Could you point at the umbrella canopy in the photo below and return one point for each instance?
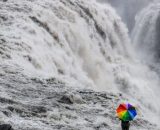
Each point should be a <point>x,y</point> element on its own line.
<point>126,112</point>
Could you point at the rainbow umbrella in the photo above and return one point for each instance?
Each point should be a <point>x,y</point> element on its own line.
<point>126,112</point>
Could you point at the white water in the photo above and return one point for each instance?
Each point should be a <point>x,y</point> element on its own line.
<point>81,42</point>
<point>145,37</point>
<point>85,56</point>
<point>146,33</point>
<point>128,9</point>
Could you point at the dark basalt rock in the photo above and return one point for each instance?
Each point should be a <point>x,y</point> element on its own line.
<point>66,99</point>
<point>6,127</point>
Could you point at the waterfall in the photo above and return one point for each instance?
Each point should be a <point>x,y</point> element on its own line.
<point>43,40</point>
<point>146,33</point>
<point>86,45</point>
<point>146,40</point>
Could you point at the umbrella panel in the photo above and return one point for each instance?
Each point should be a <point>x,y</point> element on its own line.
<point>126,112</point>
<point>122,114</point>
<point>121,108</point>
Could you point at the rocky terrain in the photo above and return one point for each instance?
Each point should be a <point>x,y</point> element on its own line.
<point>48,104</point>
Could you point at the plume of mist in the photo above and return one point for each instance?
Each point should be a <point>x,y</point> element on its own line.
<point>128,9</point>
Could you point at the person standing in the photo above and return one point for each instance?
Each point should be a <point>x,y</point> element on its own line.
<point>126,113</point>
<point>125,125</point>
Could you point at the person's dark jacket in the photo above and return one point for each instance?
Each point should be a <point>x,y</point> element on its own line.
<point>125,125</point>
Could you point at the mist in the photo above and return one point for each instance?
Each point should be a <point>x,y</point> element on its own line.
<point>128,9</point>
